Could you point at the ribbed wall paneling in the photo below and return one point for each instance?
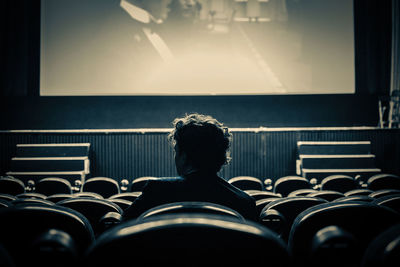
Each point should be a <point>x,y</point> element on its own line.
<point>265,154</point>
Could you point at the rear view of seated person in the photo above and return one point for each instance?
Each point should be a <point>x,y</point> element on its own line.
<point>201,145</point>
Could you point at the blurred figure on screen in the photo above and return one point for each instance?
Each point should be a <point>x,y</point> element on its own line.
<point>201,145</point>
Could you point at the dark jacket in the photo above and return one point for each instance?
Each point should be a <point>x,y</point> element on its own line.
<point>194,187</point>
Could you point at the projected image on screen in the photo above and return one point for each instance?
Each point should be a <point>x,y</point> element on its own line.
<point>196,47</point>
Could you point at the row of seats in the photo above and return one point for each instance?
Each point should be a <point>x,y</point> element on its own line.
<point>350,233</point>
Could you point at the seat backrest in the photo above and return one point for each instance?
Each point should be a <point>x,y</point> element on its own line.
<point>286,185</point>
<point>92,208</point>
<point>130,196</point>
<point>21,224</point>
<point>31,195</point>
<point>58,197</point>
<point>384,250</point>
<point>191,207</point>
<point>11,186</point>
<point>246,183</point>
<point>301,192</point>
<point>339,183</point>
<point>327,195</point>
<point>384,192</point>
<point>354,198</point>
<point>53,185</point>
<point>361,219</point>
<point>290,207</point>
<point>390,201</point>
<point>383,181</point>
<point>103,186</point>
<point>7,197</point>
<point>188,240</point>
<point>358,192</point>
<point>139,183</point>
<point>257,194</point>
<point>122,203</point>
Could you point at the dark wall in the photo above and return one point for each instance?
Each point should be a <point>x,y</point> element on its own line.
<point>23,108</point>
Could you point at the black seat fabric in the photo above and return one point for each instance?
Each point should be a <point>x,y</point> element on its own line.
<point>361,219</point>
<point>21,224</point>
<point>286,185</point>
<point>339,183</point>
<point>188,240</point>
<point>191,207</point>
<point>246,183</point>
<point>390,201</point>
<point>92,208</point>
<point>289,208</point>
<point>257,194</point>
<point>11,186</point>
<point>139,183</point>
<point>384,250</point>
<point>383,181</point>
<point>104,186</point>
<point>53,185</point>
<point>130,196</point>
<point>327,195</point>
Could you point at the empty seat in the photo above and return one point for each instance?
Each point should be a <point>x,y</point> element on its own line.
<point>104,186</point>
<point>191,207</point>
<point>257,194</point>
<point>58,197</point>
<point>384,250</point>
<point>5,204</point>
<point>358,192</point>
<point>22,224</point>
<point>246,183</point>
<point>7,197</point>
<point>53,185</point>
<point>361,219</point>
<point>390,201</point>
<point>327,195</point>
<point>333,246</point>
<point>339,183</point>
<point>92,208</point>
<point>289,208</point>
<point>260,204</point>
<point>130,196</point>
<point>384,192</point>
<point>188,240</point>
<point>53,247</point>
<point>354,198</point>
<point>383,181</point>
<point>139,183</point>
<point>88,195</point>
<point>11,186</point>
<point>122,203</point>
<point>301,192</point>
<point>31,195</point>
<point>286,185</point>
<point>36,201</point>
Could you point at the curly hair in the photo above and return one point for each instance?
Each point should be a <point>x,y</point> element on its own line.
<point>205,141</point>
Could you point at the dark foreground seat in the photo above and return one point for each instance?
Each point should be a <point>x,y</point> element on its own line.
<point>362,220</point>
<point>22,224</point>
<point>188,240</point>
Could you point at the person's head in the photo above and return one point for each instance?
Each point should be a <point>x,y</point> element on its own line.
<point>201,142</point>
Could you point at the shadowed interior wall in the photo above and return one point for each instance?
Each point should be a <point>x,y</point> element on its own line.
<point>263,154</point>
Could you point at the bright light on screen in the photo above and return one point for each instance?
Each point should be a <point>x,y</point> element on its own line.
<point>203,47</point>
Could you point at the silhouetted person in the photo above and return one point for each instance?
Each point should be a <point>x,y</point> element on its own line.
<point>201,146</point>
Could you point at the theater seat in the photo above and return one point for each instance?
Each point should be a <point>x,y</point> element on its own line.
<point>363,220</point>
<point>11,186</point>
<point>384,250</point>
<point>37,201</point>
<point>390,201</point>
<point>138,184</point>
<point>58,197</point>
<point>188,240</point>
<point>92,208</point>
<point>358,192</point>
<point>246,183</point>
<point>104,186</point>
<point>289,208</point>
<point>53,185</point>
<point>22,224</point>
<point>31,195</point>
<point>383,181</point>
<point>257,194</point>
<point>384,192</point>
<point>7,197</point>
<point>286,185</point>
<point>301,192</point>
<point>327,195</point>
<point>339,183</point>
<point>122,203</point>
<point>332,246</point>
<point>130,196</point>
<point>354,198</point>
<point>191,207</point>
